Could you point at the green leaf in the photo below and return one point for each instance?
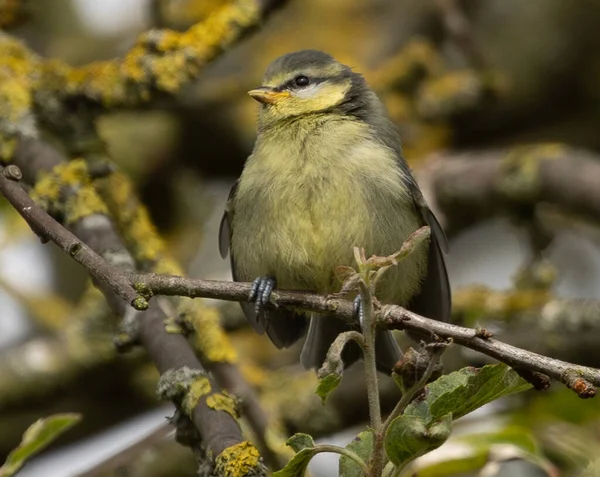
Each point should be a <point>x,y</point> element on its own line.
<point>305,449</point>
<point>465,390</point>
<point>300,441</point>
<point>362,445</point>
<point>409,437</point>
<point>470,452</point>
<point>330,374</point>
<point>39,435</point>
<point>296,467</point>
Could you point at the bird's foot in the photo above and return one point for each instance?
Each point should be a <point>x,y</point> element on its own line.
<point>260,293</point>
<point>359,311</point>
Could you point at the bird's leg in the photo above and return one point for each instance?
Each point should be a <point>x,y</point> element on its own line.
<point>260,293</point>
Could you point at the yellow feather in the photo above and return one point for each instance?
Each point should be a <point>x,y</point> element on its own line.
<point>313,189</point>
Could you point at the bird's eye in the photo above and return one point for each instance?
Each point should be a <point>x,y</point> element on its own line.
<point>301,81</point>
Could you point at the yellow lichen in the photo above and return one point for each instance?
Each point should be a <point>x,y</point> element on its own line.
<point>184,13</point>
<point>417,60</point>
<point>199,388</point>
<point>82,199</point>
<point>453,92</point>
<point>133,221</point>
<point>209,338</point>
<point>238,460</point>
<point>253,375</point>
<point>223,401</point>
<point>476,301</point>
<point>521,180</point>
<point>83,203</point>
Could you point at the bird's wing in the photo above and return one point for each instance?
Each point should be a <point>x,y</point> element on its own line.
<point>283,326</point>
<point>434,300</point>
<point>225,227</point>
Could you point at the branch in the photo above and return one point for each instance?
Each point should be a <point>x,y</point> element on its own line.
<point>473,186</point>
<point>220,432</point>
<point>47,229</point>
<point>160,63</point>
<point>579,378</point>
<point>150,253</point>
<point>459,29</point>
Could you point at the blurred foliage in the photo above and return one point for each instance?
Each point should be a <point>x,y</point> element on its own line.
<point>39,435</point>
<point>538,81</point>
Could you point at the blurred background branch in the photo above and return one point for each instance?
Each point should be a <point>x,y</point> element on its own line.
<point>498,107</point>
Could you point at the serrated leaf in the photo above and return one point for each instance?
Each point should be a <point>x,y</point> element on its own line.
<point>409,437</point>
<point>330,374</point>
<point>465,390</point>
<point>39,435</point>
<point>362,445</point>
<point>300,441</point>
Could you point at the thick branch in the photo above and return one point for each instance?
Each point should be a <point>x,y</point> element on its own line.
<point>473,186</point>
<point>219,430</point>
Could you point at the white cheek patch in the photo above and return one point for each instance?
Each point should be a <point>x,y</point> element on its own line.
<point>309,91</point>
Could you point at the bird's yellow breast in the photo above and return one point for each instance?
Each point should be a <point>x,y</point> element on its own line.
<point>308,195</point>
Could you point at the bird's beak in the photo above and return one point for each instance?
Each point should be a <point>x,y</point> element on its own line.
<point>268,95</point>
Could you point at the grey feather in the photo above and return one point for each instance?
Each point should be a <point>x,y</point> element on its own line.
<point>323,330</point>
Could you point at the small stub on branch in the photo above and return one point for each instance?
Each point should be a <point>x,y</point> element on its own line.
<point>483,333</point>
<point>12,172</point>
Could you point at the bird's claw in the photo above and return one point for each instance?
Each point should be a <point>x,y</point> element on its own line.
<point>260,293</point>
<point>359,311</point>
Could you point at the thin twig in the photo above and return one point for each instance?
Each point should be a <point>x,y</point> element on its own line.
<point>368,330</point>
<point>49,229</point>
<point>581,379</point>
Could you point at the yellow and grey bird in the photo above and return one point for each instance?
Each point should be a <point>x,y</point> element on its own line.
<point>327,174</point>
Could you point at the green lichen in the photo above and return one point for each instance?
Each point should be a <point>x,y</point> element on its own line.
<point>140,303</point>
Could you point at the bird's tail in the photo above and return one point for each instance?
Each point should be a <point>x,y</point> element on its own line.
<point>323,330</point>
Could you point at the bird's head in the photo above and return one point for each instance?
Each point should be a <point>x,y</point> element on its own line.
<point>308,82</point>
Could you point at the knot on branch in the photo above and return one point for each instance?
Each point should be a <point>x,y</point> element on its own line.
<point>574,380</point>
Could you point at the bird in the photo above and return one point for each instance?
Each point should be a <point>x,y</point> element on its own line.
<point>327,174</point>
